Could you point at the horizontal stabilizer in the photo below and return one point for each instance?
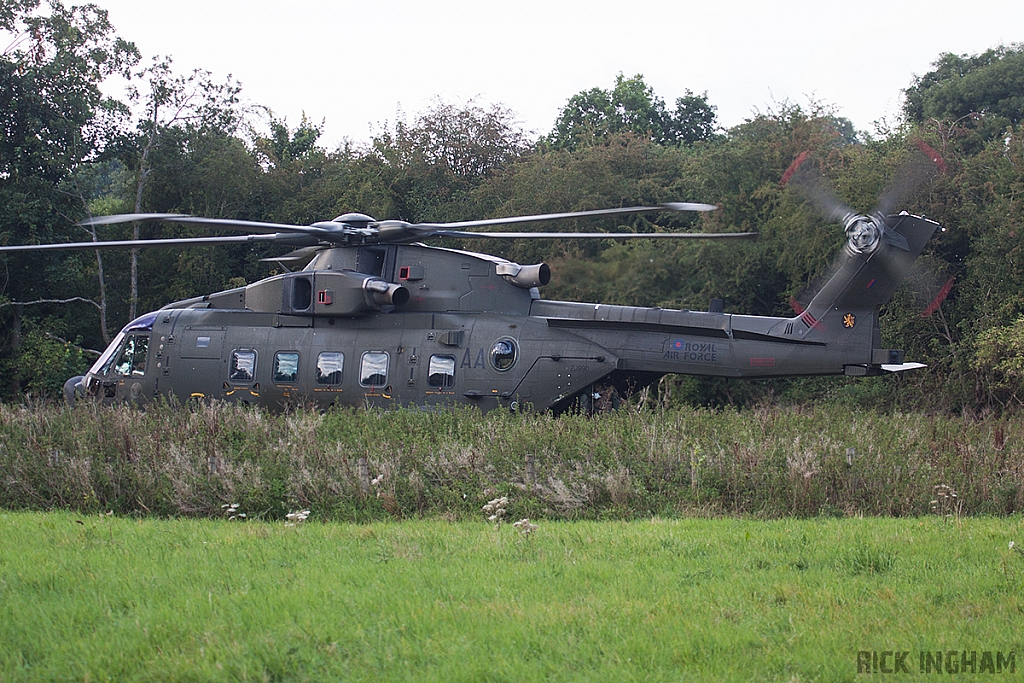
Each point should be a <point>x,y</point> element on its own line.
<point>903,366</point>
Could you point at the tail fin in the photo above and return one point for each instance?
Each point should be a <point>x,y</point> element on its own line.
<point>863,282</point>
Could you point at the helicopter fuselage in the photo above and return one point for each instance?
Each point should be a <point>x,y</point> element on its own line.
<point>408,324</point>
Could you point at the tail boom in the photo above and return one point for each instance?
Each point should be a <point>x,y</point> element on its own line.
<point>837,334</point>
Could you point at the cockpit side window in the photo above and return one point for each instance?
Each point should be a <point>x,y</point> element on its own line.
<point>131,361</point>
<point>102,365</point>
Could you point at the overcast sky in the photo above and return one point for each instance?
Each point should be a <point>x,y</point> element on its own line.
<point>356,64</point>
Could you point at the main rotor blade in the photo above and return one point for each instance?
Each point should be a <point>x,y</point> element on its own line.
<point>277,238</point>
<point>674,206</point>
<point>130,218</point>
<point>228,223</point>
<point>373,232</point>
<point>596,235</point>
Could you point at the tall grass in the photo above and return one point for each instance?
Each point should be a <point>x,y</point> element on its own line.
<point>363,465</point>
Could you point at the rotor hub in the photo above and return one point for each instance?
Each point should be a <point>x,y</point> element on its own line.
<point>356,220</point>
<point>862,233</point>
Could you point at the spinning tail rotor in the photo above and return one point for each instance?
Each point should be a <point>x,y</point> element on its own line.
<point>869,236</point>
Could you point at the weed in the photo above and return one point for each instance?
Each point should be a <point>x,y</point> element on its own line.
<point>296,518</point>
<point>496,509</point>
<point>525,527</point>
<point>821,461</point>
<point>947,504</point>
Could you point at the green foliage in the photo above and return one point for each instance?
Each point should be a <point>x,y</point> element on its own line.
<point>53,111</point>
<point>986,90</point>
<point>43,361</point>
<point>631,106</point>
<point>54,119</point>
<point>49,86</point>
<point>1000,361</point>
<point>620,170</point>
<point>284,145</point>
<point>429,167</point>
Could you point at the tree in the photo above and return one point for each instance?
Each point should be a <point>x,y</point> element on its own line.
<point>284,145</point>
<point>430,166</point>
<point>49,87</point>
<point>694,119</point>
<point>988,87</point>
<point>303,183</point>
<point>191,103</point>
<point>632,106</point>
<point>203,173</point>
<point>54,118</point>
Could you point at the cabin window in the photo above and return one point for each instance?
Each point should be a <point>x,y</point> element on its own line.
<point>243,366</point>
<point>286,367</point>
<point>441,372</point>
<point>373,370</point>
<point>504,354</point>
<point>132,360</point>
<point>329,367</point>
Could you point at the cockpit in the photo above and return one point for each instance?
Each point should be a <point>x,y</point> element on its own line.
<point>126,356</point>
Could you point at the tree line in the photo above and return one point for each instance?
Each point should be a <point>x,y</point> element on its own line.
<point>185,143</point>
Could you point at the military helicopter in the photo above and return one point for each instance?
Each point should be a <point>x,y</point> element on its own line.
<point>376,317</point>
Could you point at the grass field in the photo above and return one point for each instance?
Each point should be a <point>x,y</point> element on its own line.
<point>95,598</point>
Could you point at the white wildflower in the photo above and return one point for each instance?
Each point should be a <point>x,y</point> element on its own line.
<point>496,509</point>
<point>525,527</point>
<point>295,518</point>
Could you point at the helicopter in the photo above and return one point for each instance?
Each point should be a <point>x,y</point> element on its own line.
<point>376,317</point>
